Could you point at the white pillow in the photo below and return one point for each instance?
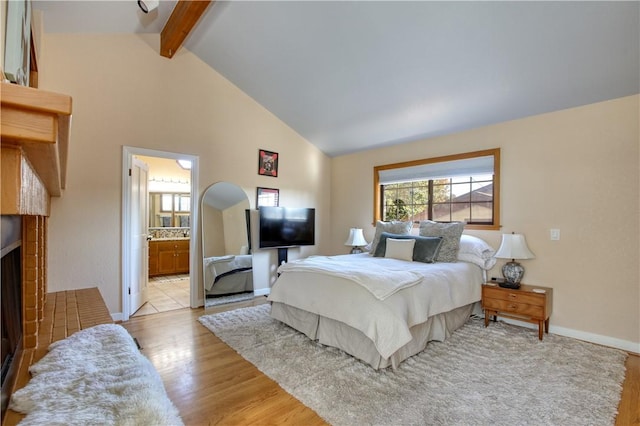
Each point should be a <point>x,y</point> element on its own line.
<point>400,249</point>
<point>394,227</point>
<point>475,250</point>
<point>474,245</point>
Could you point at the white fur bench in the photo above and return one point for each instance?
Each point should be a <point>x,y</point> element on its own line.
<point>95,376</point>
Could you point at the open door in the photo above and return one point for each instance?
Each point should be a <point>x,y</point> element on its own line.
<point>135,228</point>
<point>139,267</point>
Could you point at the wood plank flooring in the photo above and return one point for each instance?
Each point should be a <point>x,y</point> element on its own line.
<point>212,385</point>
<point>209,382</point>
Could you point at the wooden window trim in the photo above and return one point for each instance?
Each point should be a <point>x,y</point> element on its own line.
<point>495,152</point>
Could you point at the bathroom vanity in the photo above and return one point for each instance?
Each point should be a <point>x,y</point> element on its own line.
<point>168,256</point>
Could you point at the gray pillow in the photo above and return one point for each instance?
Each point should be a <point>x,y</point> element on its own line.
<point>450,232</point>
<point>425,250</point>
<point>394,227</point>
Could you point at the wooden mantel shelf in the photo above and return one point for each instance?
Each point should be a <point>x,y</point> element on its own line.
<point>38,123</point>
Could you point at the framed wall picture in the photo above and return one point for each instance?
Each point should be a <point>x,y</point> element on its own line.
<point>267,163</point>
<point>268,197</point>
<point>17,42</point>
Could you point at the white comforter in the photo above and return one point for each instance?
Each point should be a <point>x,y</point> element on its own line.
<point>444,286</point>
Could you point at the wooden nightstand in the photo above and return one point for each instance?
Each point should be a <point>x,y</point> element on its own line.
<point>523,304</point>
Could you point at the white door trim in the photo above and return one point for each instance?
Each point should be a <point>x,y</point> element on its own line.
<point>127,159</point>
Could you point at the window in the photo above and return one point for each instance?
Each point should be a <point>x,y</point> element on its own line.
<point>182,202</point>
<point>169,209</point>
<point>463,187</point>
<point>167,203</point>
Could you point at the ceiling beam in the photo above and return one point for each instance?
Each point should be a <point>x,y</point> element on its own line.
<point>182,20</point>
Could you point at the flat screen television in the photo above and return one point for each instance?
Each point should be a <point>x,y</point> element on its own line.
<point>282,227</point>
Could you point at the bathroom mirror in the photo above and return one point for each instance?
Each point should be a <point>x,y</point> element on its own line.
<point>227,260</point>
<point>169,210</point>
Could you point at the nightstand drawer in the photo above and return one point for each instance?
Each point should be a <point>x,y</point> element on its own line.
<point>514,296</point>
<point>534,311</point>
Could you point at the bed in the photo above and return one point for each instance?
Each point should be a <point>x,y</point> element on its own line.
<point>409,303</point>
<point>228,274</point>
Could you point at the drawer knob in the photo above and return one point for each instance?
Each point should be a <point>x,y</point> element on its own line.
<point>513,296</point>
<point>513,306</point>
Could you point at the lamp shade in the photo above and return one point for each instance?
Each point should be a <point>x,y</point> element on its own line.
<point>514,246</point>
<point>356,238</point>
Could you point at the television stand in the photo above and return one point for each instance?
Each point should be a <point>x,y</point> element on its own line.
<point>283,255</point>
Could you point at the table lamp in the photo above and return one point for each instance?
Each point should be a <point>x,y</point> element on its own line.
<point>513,246</point>
<point>356,240</point>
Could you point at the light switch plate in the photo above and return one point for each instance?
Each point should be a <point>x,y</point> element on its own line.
<point>555,235</point>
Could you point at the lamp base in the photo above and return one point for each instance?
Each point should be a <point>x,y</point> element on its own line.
<point>509,285</point>
<point>356,250</point>
<point>513,272</point>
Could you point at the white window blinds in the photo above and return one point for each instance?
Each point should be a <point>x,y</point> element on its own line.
<point>456,168</point>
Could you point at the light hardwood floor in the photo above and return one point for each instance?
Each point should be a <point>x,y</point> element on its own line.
<point>212,385</point>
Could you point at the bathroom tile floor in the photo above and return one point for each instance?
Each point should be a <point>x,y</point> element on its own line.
<point>166,293</point>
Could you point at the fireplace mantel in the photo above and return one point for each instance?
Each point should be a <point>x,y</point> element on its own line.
<point>35,140</point>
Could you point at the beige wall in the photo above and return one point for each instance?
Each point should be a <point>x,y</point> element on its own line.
<point>235,229</point>
<point>212,227</point>
<point>224,231</point>
<point>169,170</point>
<point>125,93</point>
<point>575,170</point>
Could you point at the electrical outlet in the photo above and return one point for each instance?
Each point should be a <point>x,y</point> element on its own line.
<point>555,235</point>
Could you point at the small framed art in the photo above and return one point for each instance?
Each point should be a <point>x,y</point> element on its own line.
<point>268,197</point>
<point>267,163</point>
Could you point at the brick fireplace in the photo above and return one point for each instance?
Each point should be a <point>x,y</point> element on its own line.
<point>34,126</point>
<point>11,271</point>
<point>23,291</point>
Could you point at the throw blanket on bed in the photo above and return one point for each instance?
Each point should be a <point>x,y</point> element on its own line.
<point>380,280</point>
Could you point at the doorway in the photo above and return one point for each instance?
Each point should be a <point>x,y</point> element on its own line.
<point>182,219</point>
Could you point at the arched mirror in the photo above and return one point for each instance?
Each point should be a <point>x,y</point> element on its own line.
<point>226,245</point>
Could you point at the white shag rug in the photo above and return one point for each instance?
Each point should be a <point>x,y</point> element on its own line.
<point>499,375</point>
<point>97,376</point>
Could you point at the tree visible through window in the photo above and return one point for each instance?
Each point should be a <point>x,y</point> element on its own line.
<point>446,189</point>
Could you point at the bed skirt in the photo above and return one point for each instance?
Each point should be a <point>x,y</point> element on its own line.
<point>337,334</point>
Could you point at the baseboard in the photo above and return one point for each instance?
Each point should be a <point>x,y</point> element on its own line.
<point>598,339</point>
<point>625,345</point>
<point>262,291</point>
<point>116,317</point>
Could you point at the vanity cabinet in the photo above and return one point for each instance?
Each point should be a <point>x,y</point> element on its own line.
<point>168,257</point>
<point>153,258</point>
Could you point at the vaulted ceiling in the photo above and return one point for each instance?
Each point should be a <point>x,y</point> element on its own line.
<point>352,75</point>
